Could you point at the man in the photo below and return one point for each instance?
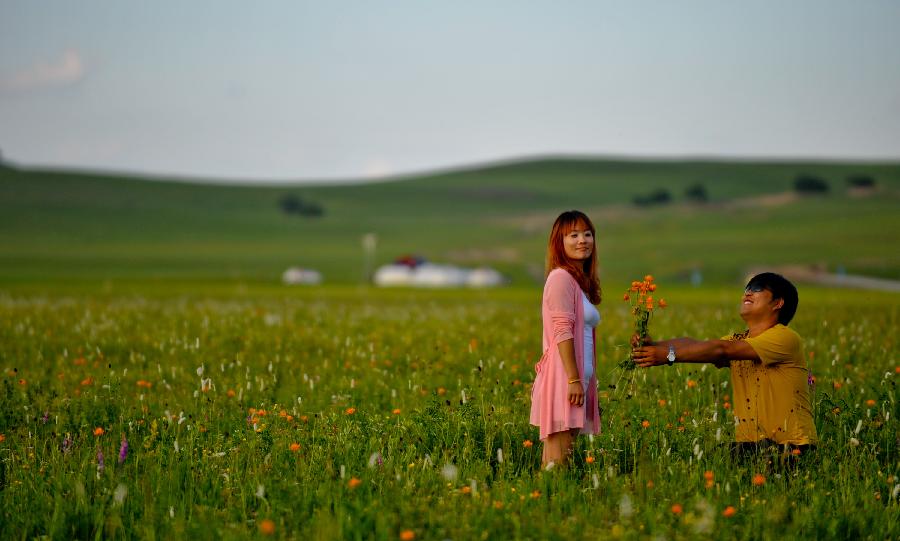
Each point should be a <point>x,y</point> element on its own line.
<point>768,366</point>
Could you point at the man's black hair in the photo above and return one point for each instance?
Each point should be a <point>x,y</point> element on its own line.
<point>781,288</point>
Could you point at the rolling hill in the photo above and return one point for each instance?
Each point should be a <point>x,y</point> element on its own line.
<point>76,227</point>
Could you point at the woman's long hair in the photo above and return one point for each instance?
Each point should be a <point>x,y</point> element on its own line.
<point>584,272</point>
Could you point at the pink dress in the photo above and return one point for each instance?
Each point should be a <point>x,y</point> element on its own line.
<point>563,318</point>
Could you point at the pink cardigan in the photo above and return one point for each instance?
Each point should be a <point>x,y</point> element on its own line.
<point>562,312</point>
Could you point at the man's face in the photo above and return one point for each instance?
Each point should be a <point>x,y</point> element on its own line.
<point>757,303</point>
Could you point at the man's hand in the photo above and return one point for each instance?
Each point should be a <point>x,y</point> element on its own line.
<point>636,340</point>
<point>576,393</point>
<point>648,356</point>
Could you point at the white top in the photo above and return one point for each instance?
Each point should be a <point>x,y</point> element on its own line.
<point>591,320</point>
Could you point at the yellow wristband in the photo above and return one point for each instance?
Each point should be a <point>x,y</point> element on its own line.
<point>575,380</point>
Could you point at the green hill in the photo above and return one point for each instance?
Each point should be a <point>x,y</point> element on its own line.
<point>65,227</point>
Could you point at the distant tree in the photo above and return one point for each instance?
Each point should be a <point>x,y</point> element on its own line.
<point>696,193</point>
<point>861,181</point>
<point>292,204</point>
<point>656,197</point>
<point>808,184</point>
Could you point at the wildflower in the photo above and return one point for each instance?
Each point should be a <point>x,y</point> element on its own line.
<point>100,464</point>
<point>759,480</point>
<point>662,403</point>
<point>66,444</point>
<point>87,381</point>
<point>123,450</point>
<point>691,383</point>
<point>708,475</point>
<point>375,459</point>
<point>22,382</point>
<point>2,438</point>
<point>527,444</point>
<point>650,483</point>
<point>729,511</point>
<point>99,431</point>
<point>645,423</point>
<point>590,459</point>
<point>837,385</point>
<point>498,504</point>
<point>676,509</point>
<point>230,393</point>
<point>449,472</point>
<point>625,297</point>
<point>407,535</point>
<point>870,403</point>
<point>854,442</point>
<point>45,417</point>
<point>350,411</point>
<point>795,452</point>
<point>266,527</point>
<point>662,303</point>
<point>294,447</point>
<point>466,489</point>
<point>536,494</point>
<point>120,493</point>
<point>652,287</point>
<point>727,405</point>
<point>396,411</point>
<point>353,482</point>
<point>648,278</point>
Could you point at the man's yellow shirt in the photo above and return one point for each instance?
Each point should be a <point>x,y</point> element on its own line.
<point>771,396</point>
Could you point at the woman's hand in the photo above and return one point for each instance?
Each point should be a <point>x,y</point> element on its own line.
<point>636,340</point>
<point>648,356</point>
<point>576,393</point>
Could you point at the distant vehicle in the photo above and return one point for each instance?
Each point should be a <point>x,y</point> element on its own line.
<point>301,276</point>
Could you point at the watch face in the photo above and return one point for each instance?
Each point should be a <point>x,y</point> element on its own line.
<point>671,356</point>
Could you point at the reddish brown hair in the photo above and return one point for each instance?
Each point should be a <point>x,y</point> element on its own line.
<point>585,272</point>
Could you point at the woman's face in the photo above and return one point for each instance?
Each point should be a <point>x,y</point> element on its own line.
<point>579,242</point>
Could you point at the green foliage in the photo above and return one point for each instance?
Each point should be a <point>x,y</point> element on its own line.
<point>412,394</point>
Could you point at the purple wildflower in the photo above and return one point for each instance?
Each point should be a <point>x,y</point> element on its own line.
<point>100,465</point>
<point>810,378</point>
<point>46,417</point>
<point>123,450</point>
<point>66,444</point>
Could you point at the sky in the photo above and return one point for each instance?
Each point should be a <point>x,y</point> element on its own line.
<point>337,90</point>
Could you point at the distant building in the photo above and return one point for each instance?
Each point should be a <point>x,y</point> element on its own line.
<point>300,276</point>
<point>409,271</point>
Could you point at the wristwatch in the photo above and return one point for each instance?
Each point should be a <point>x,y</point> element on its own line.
<point>671,356</point>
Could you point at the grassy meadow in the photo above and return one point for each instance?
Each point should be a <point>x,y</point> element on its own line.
<point>362,414</point>
<point>158,382</point>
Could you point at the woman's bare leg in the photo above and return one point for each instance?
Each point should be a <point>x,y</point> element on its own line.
<point>558,447</point>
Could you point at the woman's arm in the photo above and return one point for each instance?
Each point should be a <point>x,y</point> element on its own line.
<point>576,388</point>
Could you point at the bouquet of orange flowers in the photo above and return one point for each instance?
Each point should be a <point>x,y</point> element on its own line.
<point>640,296</point>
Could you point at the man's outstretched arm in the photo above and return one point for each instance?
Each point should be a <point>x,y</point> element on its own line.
<point>689,350</point>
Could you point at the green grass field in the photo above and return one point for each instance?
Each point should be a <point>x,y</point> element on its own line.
<point>151,313</point>
<point>409,414</point>
<point>80,228</point>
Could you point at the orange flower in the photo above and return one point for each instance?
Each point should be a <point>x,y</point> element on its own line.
<point>536,494</point>
<point>897,370</point>
<point>652,287</point>
<point>676,509</point>
<point>99,431</point>
<point>625,297</point>
<point>294,447</point>
<point>759,480</point>
<point>837,385</point>
<point>527,443</point>
<point>396,411</point>
<point>289,418</point>
<point>729,511</point>
<point>662,403</point>
<point>230,393</point>
<point>2,438</point>
<point>266,527</point>
<point>870,403</point>
<point>350,411</point>
<point>691,383</point>
<point>650,483</point>
<point>645,423</point>
<point>87,381</point>
<point>466,489</point>
<point>441,391</point>
<point>23,382</point>
<point>727,405</point>
<point>407,535</point>
<point>795,452</point>
<point>648,278</point>
<point>353,482</point>
<point>498,504</point>
<point>663,303</point>
<point>708,475</point>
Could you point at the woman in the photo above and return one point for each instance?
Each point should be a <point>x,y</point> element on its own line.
<point>564,395</point>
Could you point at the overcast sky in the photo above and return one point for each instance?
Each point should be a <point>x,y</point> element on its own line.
<point>333,89</point>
